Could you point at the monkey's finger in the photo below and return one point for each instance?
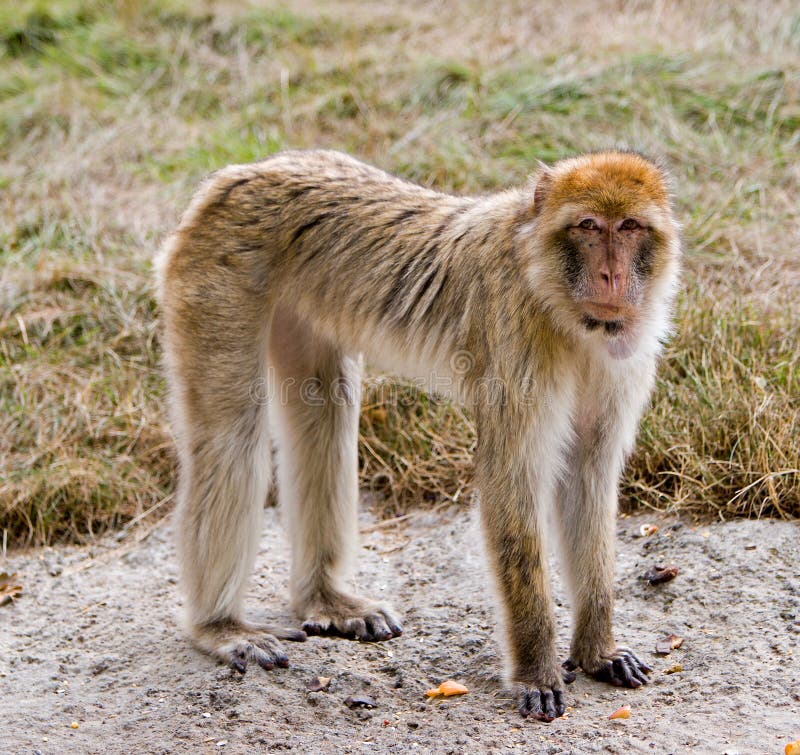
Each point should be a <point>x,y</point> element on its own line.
<point>293,635</point>
<point>569,665</point>
<point>548,705</point>
<point>623,671</point>
<point>378,628</point>
<point>269,653</point>
<point>568,676</point>
<point>561,706</point>
<point>268,660</point>
<point>637,661</point>
<point>393,624</point>
<point>636,668</point>
<point>355,627</point>
<point>316,626</point>
<point>530,703</point>
<point>640,676</point>
<point>237,659</point>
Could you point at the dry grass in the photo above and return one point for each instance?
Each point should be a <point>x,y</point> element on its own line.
<point>111,112</point>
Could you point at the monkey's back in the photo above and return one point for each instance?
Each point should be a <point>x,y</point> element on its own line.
<point>347,242</point>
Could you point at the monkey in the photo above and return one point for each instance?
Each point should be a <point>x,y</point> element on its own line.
<point>546,308</point>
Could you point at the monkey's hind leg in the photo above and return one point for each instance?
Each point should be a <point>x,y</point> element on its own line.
<point>317,403</point>
<point>223,441</point>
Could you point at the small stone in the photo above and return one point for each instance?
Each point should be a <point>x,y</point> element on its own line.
<point>658,574</point>
<point>359,702</point>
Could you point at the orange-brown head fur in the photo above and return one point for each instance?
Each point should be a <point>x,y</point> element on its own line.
<point>607,183</point>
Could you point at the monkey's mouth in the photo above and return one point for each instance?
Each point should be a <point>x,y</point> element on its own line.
<point>611,327</point>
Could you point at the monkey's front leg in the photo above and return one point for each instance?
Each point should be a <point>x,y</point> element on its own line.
<point>586,507</point>
<point>512,494</point>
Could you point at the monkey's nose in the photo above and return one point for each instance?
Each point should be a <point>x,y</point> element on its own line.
<point>610,282</point>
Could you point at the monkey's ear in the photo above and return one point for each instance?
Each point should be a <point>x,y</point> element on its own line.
<point>540,182</point>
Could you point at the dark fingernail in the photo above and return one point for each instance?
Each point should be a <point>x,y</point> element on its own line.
<point>240,666</point>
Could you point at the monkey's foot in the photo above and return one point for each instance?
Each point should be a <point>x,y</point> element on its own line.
<point>544,702</point>
<point>343,615</point>
<point>622,668</point>
<point>236,643</point>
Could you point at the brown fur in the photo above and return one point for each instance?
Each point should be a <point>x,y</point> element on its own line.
<point>283,272</point>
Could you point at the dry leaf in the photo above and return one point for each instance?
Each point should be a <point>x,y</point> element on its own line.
<point>623,712</point>
<point>793,748</point>
<point>658,574</point>
<point>448,688</point>
<point>452,688</point>
<point>667,644</point>
<point>8,588</point>
<point>674,669</point>
<point>318,684</point>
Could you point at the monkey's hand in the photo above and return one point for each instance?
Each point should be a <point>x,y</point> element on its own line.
<point>341,615</point>
<point>544,702</point>
<point>236,643</point>
<point>622,668</point>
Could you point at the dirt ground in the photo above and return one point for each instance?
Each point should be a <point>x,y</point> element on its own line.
<point>93,640</point>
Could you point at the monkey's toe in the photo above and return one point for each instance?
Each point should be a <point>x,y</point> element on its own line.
<point>542,703</point>
<point>568,672</point>
<point>622,669</point>
<point>266,652</point>
<point>354,620</point>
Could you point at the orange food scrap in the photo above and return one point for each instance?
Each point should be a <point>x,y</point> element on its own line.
<point>623,712</point>
<point>448,688</point>
<point>793,748</point>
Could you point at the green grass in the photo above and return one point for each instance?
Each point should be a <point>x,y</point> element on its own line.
<point>110,113</point>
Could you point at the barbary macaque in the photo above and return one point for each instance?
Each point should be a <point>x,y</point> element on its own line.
<point>559,294</point>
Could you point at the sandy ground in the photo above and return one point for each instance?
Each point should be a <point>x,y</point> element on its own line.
<point>94,640</point>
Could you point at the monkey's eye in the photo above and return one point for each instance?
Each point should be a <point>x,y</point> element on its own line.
<point>588,224</point>
<point>629,224</point>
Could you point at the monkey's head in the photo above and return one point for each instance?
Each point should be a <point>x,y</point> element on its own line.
<point>603,246</point>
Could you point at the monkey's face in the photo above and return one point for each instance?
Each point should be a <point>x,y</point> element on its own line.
<point>606,263</point>
<point>604,234</point>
